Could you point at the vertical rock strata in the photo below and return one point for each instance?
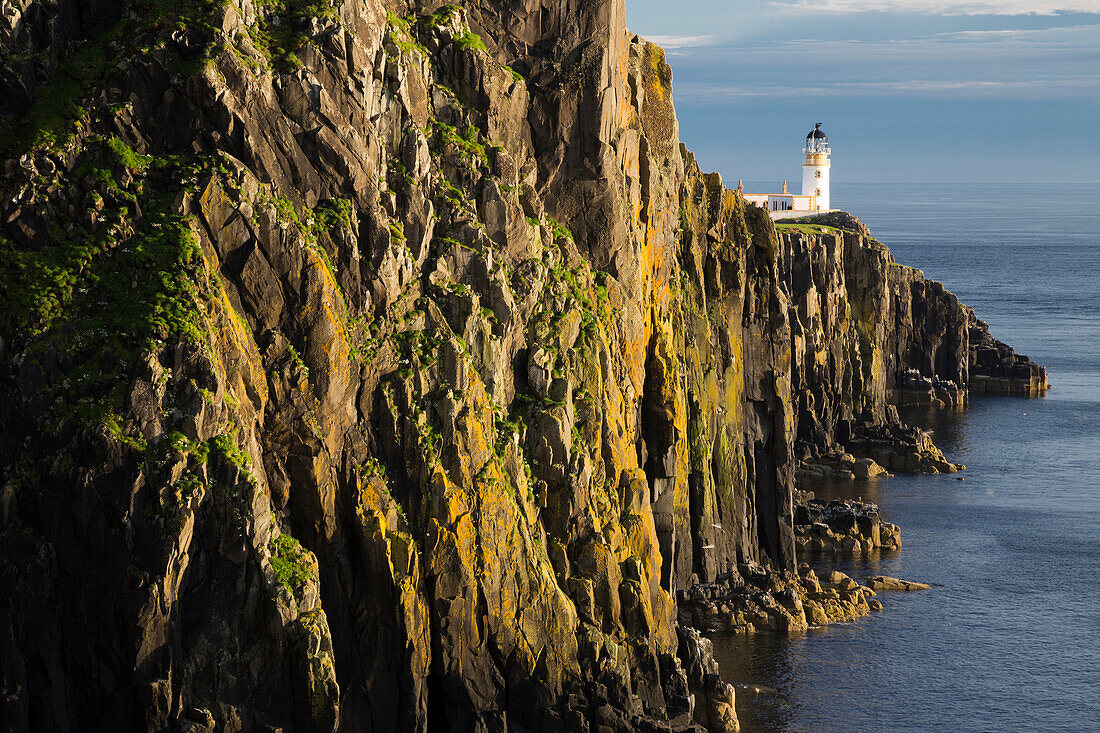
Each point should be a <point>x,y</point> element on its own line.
<point>379,368</point>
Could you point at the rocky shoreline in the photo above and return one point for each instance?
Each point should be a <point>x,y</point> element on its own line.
<point>752,598</point>
<point>916,389</point>
<point>872,451</point>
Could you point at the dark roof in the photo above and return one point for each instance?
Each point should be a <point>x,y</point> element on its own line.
<point>817,133</point>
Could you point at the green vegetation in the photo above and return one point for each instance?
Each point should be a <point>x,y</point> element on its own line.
<point>786,226</point>
<point>516,76</point>
<point>397,232</point>
<point>125,157</point>
<point>291,563</point>
<point>444,15</point>
<point>401,33</point>
<point>282,28</point>
<point>59,102</point>
<point>403,25</point>
<point>509,428</point>
<point>469,42</point>
<point>468,142</point>
<point>297,359</point>
<point>160,459</point>
<point>314,225</point>
<point>416,347</point>
<point>60,108</point>
<point>559,230</point>
<point>372,468</point>
<point>108,286</point>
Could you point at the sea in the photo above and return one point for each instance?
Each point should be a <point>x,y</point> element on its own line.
<point>1008,638</point>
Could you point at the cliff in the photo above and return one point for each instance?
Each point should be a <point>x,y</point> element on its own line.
<point>393,368</point>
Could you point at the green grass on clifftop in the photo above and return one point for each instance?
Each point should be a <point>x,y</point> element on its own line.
<point>787,226</point>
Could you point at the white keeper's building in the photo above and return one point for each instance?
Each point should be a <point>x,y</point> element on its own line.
<point>814,198</point>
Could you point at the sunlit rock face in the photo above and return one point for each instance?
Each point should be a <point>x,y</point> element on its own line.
<point>392,368</point>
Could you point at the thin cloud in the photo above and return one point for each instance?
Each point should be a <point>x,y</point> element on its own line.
<point>969,88</point>
<point>938,7</point>
<point>1084,33</point>
<point>681,41</point>
<point>1028,53</point>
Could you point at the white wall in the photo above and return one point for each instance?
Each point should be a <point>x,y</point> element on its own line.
<point>810,183</point>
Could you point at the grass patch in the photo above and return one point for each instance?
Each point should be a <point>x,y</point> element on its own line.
<point>782,226</point>
<point>291,563</point>
<point>282,28</point>
<point>469,42</point>
<point>401,32</point>
<point>466,141</point>
<point>108,286</point>
<point>61,108</point>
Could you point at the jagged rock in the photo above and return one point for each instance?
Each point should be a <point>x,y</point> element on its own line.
<point>867,468</point>
<point>844,527</point>
<point>786,603</point>
<point>996,369</point>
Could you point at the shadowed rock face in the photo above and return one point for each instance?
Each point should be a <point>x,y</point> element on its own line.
<point>391,368</point>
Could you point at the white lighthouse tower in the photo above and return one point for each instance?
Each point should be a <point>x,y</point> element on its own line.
<point>815,170</point>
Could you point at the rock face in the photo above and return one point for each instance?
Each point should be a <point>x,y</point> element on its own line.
<point>867,334</point>
<point>376,367</point>
<point>861,324</point>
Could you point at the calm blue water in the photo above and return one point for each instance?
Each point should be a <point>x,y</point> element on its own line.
<point>1009,637</point>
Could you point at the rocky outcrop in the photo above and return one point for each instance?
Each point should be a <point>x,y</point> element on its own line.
<point>843,528</point>
<point>832,220</point>
<point>996,369</point>
<point>838,466</point>
<point>753,599</point>
<point>885,582</point>
<point>916,389</point>
<point>861,323</point>
<point>384,367</point>
<point>868,334</point>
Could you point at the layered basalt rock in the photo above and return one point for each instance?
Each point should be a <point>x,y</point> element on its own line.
<point>861,323</point>
<point>384,367</point>
<point>900,448</point>
<point>916,389</point>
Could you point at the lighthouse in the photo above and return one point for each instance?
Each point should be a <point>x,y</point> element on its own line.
<point>815,169</point>
<point>815,184</point>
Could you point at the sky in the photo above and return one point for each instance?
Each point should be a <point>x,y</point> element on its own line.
<point>907,90</point>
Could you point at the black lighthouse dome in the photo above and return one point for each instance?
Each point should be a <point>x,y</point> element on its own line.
<point>817,133</point>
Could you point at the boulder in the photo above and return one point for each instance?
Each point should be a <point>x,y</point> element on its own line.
<point>867,468</point>
<point>885,582</point>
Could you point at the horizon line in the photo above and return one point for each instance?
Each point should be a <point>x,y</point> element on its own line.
<point>1030,182</point>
